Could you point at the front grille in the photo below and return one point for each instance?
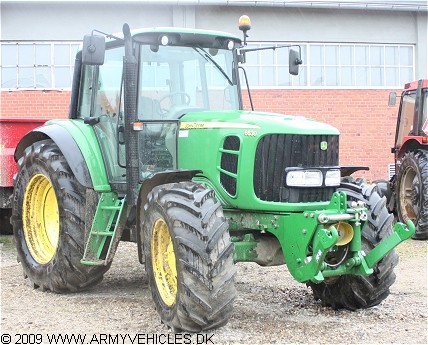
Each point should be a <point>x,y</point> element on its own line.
<point>276,152</point>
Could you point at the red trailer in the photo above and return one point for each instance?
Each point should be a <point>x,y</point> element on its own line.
<point>11,132</point>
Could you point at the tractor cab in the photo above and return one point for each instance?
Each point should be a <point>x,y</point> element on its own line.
<point>174,72</point>
<point>412,122</point>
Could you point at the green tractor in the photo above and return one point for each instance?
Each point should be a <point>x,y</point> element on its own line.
<point>159,151</point>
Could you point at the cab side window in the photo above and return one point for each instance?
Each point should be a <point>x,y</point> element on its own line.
<point>406,117</point>
<point>86,91</point>
<point>100,86</point>
<point>100,97</point>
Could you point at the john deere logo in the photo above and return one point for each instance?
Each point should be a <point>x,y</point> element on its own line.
<point>323,145</point>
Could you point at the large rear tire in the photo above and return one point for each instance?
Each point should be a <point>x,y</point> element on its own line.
<point>412,192</point>
<point>355,292</point>
<point>49,222</point>
<point>188,257</point>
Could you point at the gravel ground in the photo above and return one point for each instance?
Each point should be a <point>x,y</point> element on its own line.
<point>270,308</point>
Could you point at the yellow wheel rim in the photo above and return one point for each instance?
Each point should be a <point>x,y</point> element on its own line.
<point>163,261</point>
<point>40,218</point>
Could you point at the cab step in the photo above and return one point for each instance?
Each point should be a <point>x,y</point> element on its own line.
<point>102,236</point>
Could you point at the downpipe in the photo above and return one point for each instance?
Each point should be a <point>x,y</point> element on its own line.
<point>130,66</point>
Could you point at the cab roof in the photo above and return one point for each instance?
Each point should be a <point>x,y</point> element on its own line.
<point>413,85</point>
<point>187,33</point>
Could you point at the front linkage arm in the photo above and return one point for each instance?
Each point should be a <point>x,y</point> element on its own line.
<point>401,233</point>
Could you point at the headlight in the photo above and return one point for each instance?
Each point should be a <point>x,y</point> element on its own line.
<point>332,177</point>
<point>313,178</point>
<point>304,178</point>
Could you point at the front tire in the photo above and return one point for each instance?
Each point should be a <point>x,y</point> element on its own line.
<point>355,292</point>
<point>49,221</point>
<point>412,192</point>
<point>188,257</point>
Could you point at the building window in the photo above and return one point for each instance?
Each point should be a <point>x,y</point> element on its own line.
<point>333,65</point>
<point>268,68</point>
<point>37,65</point>
<point>49,65</point>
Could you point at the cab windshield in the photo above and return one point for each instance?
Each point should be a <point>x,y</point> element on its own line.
<point>175,80</point>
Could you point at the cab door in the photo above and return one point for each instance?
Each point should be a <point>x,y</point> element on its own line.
<point>405,118</point>
<point>101,105</point>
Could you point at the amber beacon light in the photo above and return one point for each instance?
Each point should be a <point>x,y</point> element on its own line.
<point>244,26</point>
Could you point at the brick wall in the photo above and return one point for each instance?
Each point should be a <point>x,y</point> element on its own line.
<point>35,104</point>
<point>366,123</point>
<point>363,117</point>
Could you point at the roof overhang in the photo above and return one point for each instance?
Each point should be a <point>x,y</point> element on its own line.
<point>386,5</point>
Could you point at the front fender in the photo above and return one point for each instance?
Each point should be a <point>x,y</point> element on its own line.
<point>79,145</point>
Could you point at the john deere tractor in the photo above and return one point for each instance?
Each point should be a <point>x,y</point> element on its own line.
<point>158,150</point>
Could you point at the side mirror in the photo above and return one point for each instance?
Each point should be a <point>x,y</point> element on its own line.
<point>93,50</point>
<point>392,99</point>
<point>294,61</point>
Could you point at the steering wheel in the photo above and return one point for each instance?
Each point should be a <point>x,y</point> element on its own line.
<point>187,100</point>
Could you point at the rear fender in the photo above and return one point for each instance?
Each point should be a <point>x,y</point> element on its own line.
<point>79,149</point>
<point>411,143</point>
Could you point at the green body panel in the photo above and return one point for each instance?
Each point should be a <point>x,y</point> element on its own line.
<point>245,249</point>
<point>86,139</point>
<point>209,130</point>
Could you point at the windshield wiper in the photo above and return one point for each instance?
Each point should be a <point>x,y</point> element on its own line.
<point>209,58</point>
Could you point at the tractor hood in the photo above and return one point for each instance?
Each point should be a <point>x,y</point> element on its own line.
<point>260,122</point>
<point>237,149</point>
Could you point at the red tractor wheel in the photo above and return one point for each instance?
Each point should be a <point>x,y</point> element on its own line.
<point>412,192</point>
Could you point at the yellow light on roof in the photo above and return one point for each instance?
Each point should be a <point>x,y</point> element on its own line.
<point>244,23</point>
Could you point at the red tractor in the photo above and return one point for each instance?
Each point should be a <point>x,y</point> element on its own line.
<point>410,184</point>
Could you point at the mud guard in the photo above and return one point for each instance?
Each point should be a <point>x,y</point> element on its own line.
<point>66,144</point>
<point>347,170</point>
